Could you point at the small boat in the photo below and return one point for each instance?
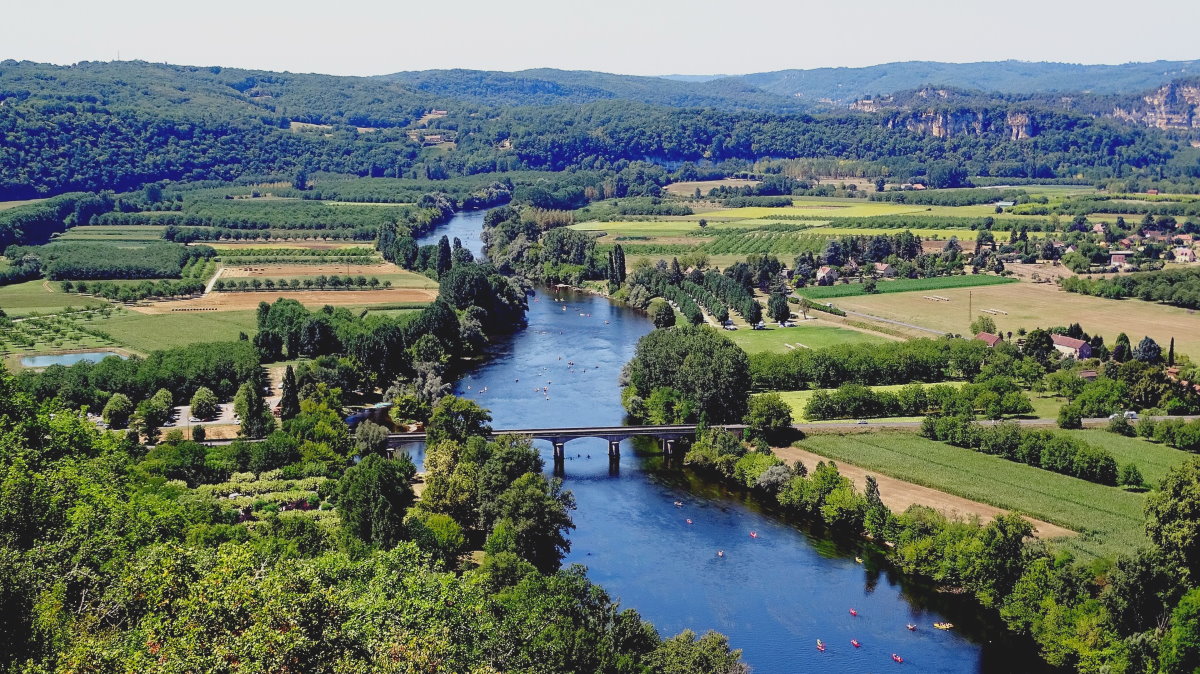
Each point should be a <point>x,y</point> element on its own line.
<point>679,504</point>
<point>753,534</point>
<point>854,612</point>
<point>854,643</point>
<point>858,560</point>
<point>689,521</point>
<point>897,658</point>
<point>820,645</point>
<point>943,626</point>
<point>720,553</point>
<point>912,627</point>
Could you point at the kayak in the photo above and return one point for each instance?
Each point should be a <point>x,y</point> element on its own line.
<point>820,645</point>
<point>854,643</point>
<point>943,626</point>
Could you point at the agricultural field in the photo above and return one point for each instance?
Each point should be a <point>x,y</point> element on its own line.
<point>42,297</point>
<point>120,235</point>
<point>814,207</point>
<point>239,301</point>
<point>148,332</point>
<point>50,334</point>
<point>807,334</point>
<point>904,285</point>
<point>1031,305</point>
<point>1152,459</point>
<point>1109,519</point>
<point>5,205</point>
<point>687,189</point>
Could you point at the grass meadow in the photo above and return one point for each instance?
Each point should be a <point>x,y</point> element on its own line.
<point>811,334</point>
<point>1108,519</point>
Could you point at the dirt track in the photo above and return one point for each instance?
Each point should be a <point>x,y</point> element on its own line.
<point>898,494</point>
<point>240,301</point>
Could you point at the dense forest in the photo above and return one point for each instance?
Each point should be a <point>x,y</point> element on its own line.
<point>147,123</point>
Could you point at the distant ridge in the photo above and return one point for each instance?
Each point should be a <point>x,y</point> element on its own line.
<point>841,86</point>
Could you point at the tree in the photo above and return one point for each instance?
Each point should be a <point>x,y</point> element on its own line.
<point>538,512</point>
<point>117,411</point>
<point>685,654</point>
<point>701,364</point>
<point>370,438</point>
<point>1172,519</point>
<point>444,257</point>
<point>1130,476</point>
<point>769,417</point>
<point>1121,351</point>
<point>1171,354</point>
<point>1039,345</point>
<point>256,420</point>
<point>204,403</point>
<point>300,180</point>
<point>664,314</point>
<point>983,324</point>
<point>1180,647</point>
<point>457,419</point>
<point>1148,351</point>
<point>373,497</point>
<point>289,402</point>
<point>778,309</point>
<point>703,223</point>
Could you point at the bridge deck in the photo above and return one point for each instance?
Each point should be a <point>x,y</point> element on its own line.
<point>563,434</point>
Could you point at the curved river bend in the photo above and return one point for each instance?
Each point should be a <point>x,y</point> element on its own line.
<point>773,595</point>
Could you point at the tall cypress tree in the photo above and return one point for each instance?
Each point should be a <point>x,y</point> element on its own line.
<point>1171,353</point>
<point>289,404</point>
<point>444,256</point>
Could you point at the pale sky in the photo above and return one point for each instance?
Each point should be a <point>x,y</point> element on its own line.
<point>643,37</point>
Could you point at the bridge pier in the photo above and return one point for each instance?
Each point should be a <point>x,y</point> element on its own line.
<point>668,446</point>
<point>614,450</point>
<point>560,450</point>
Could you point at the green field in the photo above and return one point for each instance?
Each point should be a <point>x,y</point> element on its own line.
<point>125,235</point>
<point>1153,460</point>
<point>1109,519</point>
<point>904,285</point>
<point>147,332</point>
<point>22,299</point>
<point>811,334</point>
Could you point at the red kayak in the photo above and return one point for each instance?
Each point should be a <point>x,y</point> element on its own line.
<point>854,612</point>
<point>897,658</point>
<point>854,643</point>
<point>820,645</point>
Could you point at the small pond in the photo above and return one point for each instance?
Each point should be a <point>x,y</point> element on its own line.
<point>67,358</point>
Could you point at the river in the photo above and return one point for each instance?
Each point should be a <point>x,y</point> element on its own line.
<point>773,595</point>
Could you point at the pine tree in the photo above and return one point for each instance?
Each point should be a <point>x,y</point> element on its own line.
<point>289,404</point>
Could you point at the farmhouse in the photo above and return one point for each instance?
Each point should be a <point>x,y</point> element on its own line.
<point>1183,254</point>
<point>1119,257</point>
<point>1005,204</point>
<point>826,275</point>
<point>1069,346</point>
<point>885,270</point>
<point>989,339</point>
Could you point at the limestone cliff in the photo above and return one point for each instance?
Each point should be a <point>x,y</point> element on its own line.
<point>1172,107</point>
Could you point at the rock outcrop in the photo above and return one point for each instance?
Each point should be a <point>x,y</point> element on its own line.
<point>1172,107</point>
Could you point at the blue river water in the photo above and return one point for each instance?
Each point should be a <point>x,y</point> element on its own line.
<point>775,594</point>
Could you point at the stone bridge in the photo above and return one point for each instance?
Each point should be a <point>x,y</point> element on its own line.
<point>667,435</point>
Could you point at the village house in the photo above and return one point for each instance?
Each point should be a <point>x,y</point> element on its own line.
<point>989,339</point>
<point>1119,258</point>
<point>884,269</point>
<point>1098,228</point>
<point>851,266</point>
<point>1183,254</point>
<point>826,276</point>
<point>1069,346</point>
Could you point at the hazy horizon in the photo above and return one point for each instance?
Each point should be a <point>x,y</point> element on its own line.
<point>694,37</point>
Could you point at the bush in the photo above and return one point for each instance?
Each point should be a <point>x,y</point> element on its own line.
<point>1131,477</point>
<point>1069,417</point>
<point>1121,426</point>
